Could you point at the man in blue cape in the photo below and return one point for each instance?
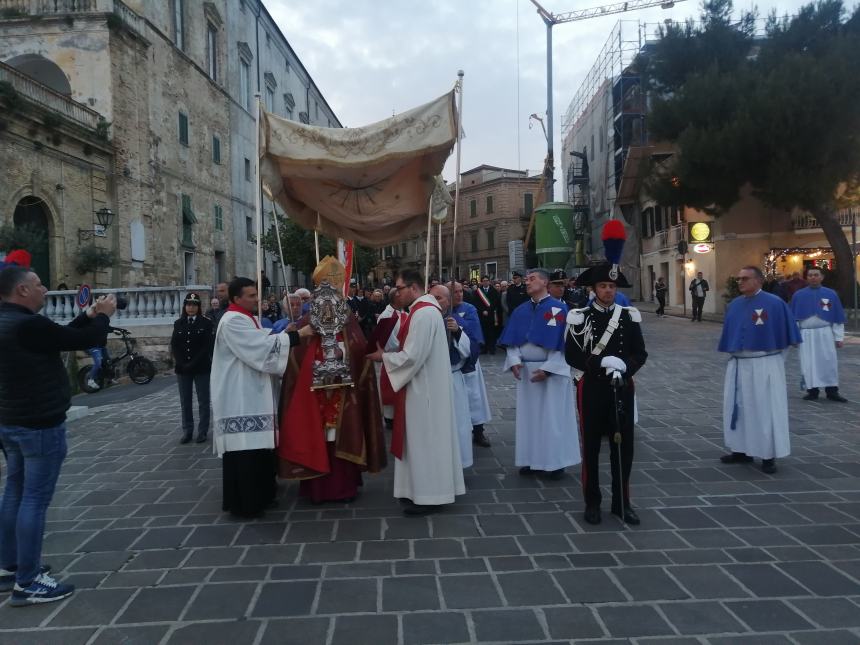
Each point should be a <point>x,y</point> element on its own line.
<point>479,405</point>
<point>547,435</point>
<point>758,328</point>
<point>821,319</point>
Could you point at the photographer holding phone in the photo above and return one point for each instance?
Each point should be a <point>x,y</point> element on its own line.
<point>34,397</point>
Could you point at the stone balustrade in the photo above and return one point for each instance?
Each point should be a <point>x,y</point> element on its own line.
<point>146,305</point>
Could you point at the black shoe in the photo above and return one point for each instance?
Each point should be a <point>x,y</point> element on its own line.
<point>768,466</point>
<point>201,438</point>
<point>736,458</point>
<point>185,439</point>
<point>417,510</point>
<point>592,515</point>
<point>837,397</point>
<point>812,397</point>
<point>389,424</point>
<point>479,439</point>
<point>525,470</point>
<point>555,475</point>
<point>630,517</point>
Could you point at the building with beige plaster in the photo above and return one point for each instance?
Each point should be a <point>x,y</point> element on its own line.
<point>167,89</point>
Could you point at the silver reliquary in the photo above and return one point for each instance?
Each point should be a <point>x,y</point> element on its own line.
<point>329,314</point>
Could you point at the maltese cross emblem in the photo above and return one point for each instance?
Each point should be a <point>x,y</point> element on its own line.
<point>825,304</point>
<point>759,316</point>
<point>554,317</point>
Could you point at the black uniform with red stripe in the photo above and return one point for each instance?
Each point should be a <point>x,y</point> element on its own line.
<point>595,392</point>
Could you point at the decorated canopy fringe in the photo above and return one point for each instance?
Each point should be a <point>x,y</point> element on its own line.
<point>370,184</point>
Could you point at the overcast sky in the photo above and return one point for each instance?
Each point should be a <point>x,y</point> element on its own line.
<point>372,57</point>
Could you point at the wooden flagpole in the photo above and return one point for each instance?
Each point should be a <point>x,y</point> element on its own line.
<point>429,244</point>
<point>460,75</point>
<point>258,207</point>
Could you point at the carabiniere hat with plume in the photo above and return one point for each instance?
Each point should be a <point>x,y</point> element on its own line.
<point>613,236</point>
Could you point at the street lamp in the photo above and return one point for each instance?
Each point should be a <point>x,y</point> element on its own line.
<point>104,218</point>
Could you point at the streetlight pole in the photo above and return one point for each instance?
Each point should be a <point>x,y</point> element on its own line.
<point>550,159</point>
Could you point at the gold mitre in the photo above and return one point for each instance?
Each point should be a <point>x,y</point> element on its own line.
<point>331,271</point>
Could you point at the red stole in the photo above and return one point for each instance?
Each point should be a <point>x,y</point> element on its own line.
<point>242,310</point>
<point>398,435</point>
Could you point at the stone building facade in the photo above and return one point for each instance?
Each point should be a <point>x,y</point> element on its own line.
<point>494,209</point>
<point>173,82</point>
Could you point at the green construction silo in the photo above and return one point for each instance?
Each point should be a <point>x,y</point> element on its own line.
<point>554,239</point>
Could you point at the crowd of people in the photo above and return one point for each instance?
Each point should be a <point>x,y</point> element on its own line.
<point>414,359</point>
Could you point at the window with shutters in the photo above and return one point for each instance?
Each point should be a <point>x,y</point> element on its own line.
<point>491,238</point>
<point>188,221</point>
<point>219,218</point>
<point>212,51</point>
<point>178,24</point>
<point>473,208</point>
<point>247,169</point>
<point>473,240</point>
<point>489,204</point>
<point>216,149</point>
<point>528,204</point>
<point>249,228</point>
<point>245,84</point>
<point>183,128</point>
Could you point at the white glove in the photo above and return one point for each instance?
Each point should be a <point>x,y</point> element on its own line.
<point>613,363</point>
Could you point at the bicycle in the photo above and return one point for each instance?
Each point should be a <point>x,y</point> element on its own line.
<point>140,369</point>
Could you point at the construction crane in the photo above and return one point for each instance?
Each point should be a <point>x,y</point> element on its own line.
<point>550,20</point>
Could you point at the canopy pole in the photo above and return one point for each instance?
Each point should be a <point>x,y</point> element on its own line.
<point>258,208</point>
<point>429,244</point>
<point>459,88</point>
<point>440,251</point>
<point>317,238</point>
<point>283,266</point>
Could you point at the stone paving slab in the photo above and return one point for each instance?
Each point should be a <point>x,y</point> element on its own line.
<point>725,555</point>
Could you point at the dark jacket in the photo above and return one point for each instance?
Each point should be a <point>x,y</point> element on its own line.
<point>626,343</point>
<point>705,287</point>
<point>34,385</point>
<point>192,345</point>
<point>490,316</point>
<point>515,296</point>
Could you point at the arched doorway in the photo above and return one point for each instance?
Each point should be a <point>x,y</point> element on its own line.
<point>30,213</point>
<point>42,69</point>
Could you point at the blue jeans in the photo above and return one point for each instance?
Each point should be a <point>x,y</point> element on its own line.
<point>33,458</point>
<point>98,355</point>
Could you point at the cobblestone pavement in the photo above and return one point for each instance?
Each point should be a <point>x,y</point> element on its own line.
<point>725,554</point>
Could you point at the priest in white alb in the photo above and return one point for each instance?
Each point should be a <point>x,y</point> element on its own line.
<point>821,319</point>
<point>427,469</point>
<point>246,364</point>
<point>547,434</point>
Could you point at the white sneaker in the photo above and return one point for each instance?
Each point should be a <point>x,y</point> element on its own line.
<point>93,385</point>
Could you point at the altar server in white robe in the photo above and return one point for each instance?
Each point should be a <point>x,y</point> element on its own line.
<point>427,468</point>
<point>758,328</point>
<point>246,364</point>
<point>547,434</point>
<point>821,319</point>
<point>479,404</point>
<point>460,351</point>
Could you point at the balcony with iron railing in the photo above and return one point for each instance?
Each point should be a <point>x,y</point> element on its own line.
<point>806,221</point>
<point>664,240</point>
<point>42,95</point>
<point>10,9</point>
